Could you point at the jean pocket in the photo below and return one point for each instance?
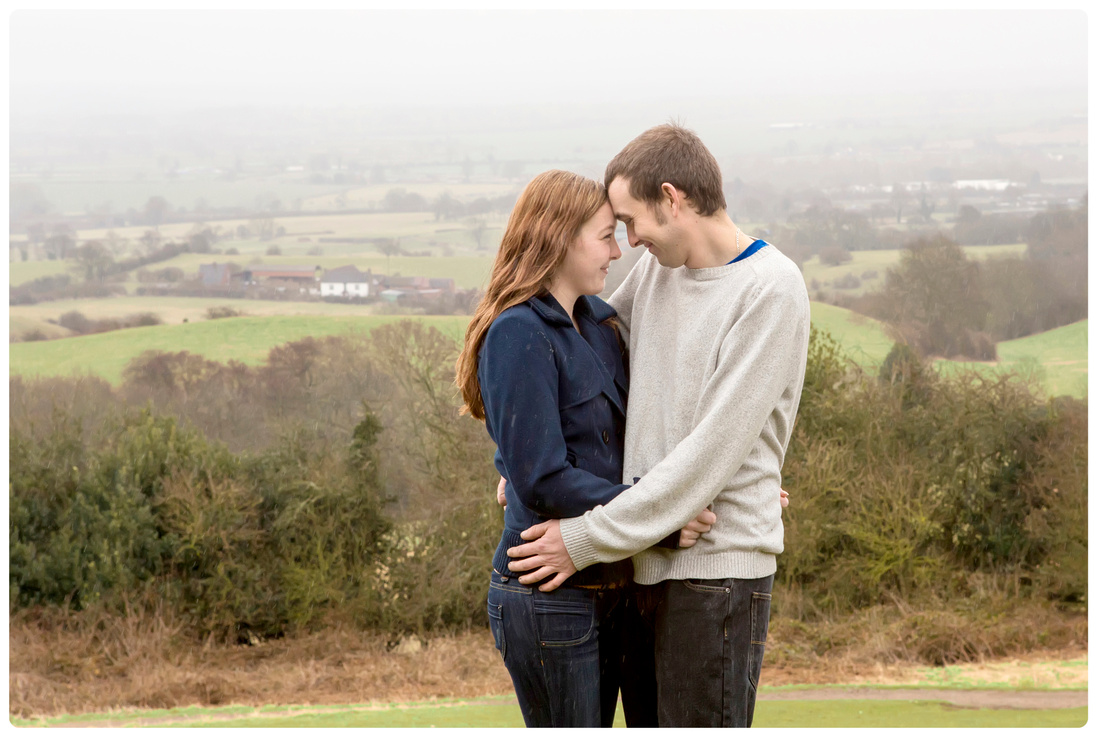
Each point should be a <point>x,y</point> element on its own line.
<point>759,611</point>
<point>707,586</point>
<point>496,625</point>
<point>564,624</point>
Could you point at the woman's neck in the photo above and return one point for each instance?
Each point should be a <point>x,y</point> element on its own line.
<point>567,299</point>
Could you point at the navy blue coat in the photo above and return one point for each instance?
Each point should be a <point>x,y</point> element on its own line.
<point>555,405</point>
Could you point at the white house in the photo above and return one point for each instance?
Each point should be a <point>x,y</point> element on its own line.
<point>346,281</point>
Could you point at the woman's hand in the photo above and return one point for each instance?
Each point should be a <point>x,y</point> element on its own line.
<point>697,527</point>
<point>503,500</point>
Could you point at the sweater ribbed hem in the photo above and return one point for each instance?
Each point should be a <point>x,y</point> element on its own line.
<point>577,542</point>
<point>654,566</point>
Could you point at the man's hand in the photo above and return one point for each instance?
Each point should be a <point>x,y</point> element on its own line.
<point>783,500</point>
<point>544,553</point>
<point>503,500</point>
<point>697,527</point>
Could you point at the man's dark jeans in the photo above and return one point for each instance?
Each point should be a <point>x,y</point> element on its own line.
<point>708,637</point>
<point>562,650</point>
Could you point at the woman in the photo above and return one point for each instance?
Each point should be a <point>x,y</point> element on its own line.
<point>543,366</point>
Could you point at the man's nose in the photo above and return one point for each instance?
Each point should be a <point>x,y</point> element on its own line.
<point>631,237</point>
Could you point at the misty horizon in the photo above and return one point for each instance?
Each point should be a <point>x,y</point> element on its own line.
<point>121,62</point>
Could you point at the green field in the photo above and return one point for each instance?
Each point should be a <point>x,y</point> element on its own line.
<point>246,339</point>
<point>22,272</point>
<point>863,339</point>
<point>1058,358</point>
<point>502,712</point>
<point>270,323</point>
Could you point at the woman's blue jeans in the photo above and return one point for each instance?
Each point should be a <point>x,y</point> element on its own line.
<point>562,650</point>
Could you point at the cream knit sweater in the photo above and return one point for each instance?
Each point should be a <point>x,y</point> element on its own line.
<point>717,360</point>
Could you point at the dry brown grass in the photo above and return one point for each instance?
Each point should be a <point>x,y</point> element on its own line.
<point>63,664</point>
<point>77,663</point>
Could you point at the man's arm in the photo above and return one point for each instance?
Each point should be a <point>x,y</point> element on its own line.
<point>687,536</point>
<point>760,357</point>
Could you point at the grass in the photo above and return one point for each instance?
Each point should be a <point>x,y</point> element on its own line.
<point>246,339</point>
<point>863,339</point>
<point>270,323</point>
<point>502,712</point>
<point>24,272</point>
<point>68,667</point>
<point>1058,359</point>
<point>20,324</point>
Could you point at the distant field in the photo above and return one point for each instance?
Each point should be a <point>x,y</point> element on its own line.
<point>174,310</point>
<point>20,324</point>
<point>878,261</point>
<point>374,194</point>
<point>244,339</point>
<point>863,339</point>
<point>468,271</point>
<point>416,227</point>
<point>22,272</point>
<point>420,232</point>
<point>1058,358</point>
<point>78,191</point>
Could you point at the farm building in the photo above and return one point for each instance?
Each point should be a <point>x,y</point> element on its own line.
<point>213,275</point>
<point>422,284</point>
<point>300,274</point>
<point>348,281</point>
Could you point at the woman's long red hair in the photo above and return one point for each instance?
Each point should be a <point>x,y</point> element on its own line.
<point>543,225</point>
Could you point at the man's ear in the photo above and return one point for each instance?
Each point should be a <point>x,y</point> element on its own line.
<point>672,197</point>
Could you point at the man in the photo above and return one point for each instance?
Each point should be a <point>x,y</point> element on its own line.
<point>718,330</point>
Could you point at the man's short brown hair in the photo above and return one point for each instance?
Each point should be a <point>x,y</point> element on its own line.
<point>669,154</point>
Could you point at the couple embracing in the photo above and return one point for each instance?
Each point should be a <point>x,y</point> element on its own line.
<point>639,441</point>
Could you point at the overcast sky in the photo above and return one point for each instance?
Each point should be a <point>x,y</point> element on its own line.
<point>132,60</point>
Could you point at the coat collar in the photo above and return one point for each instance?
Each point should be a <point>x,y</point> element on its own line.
<point>588,306</point>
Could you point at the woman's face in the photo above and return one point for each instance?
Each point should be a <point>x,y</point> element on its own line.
<point>584,269</point>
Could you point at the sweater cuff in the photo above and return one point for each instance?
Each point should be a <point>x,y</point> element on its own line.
<point>577,542</point>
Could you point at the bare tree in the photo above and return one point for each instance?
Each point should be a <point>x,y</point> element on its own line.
<point>156,210</point>
<point>93,261</point>
<point>477,229</point>
<point>389,247</point>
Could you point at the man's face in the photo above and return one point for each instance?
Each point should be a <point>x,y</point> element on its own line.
<point>645,226</point>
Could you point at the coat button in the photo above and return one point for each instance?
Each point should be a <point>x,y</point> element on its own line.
<point>606,437</point>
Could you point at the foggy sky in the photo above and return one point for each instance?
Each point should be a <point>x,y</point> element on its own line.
<point>131,61</point>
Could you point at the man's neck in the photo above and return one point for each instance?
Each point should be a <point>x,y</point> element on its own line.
<point>717,241</point>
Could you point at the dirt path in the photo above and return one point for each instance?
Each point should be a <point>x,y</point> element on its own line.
<point>1015,699</point>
